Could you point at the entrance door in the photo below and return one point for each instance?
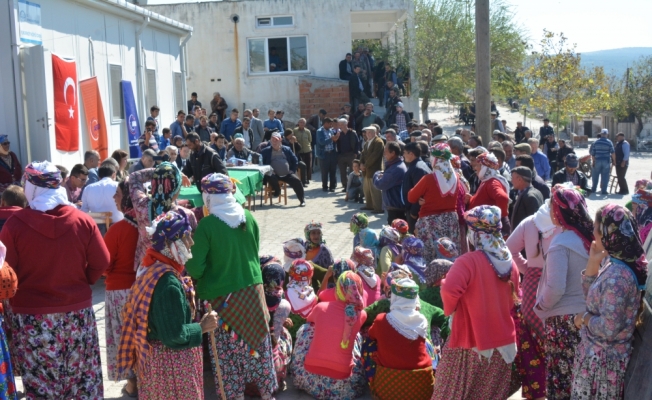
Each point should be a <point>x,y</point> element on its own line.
<point>37,120</point>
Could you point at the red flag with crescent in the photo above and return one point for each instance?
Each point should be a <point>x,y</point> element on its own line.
<point>94,115</point>
<point>66,99</point>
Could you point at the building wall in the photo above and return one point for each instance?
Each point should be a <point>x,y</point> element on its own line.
<point>318,93</point>
<point>68,28</point>
<point>10,115</point>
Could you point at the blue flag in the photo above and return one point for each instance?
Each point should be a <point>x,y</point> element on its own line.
<point>131,118</point>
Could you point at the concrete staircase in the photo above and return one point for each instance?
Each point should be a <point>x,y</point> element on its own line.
<point>380,111</point>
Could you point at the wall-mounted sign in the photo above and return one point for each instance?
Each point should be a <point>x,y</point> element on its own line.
<point>29,22</point>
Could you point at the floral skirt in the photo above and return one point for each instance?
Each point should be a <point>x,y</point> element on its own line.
<point>431,228</point>
<point>462,374</point>
<point>59,355</point>
<point>114,302</point>
<point>530,361</point>
<point>562,338</point>
<point>598,378</point>
<point>323,387</point>
<point>238,367</point>
<point>171,374</point>
<point>282,354</point>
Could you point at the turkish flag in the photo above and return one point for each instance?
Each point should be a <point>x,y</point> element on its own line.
<point>66,115</point>
<point>94,113</point>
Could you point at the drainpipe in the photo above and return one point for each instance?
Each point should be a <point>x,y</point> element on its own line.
<point>139,70</point>
<point>182,65</point>
<point>92,50</point>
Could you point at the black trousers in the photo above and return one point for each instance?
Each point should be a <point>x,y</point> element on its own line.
<point>394,214</point>
<point>329,170</point>
<point>622,182</point>
<point>301,166</point>
<point>412,222</point>
<point>291,179</point>
<point>307,159</point>
<point>344,163</point>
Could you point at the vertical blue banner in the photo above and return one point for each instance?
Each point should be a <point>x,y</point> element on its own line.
<point>131,118</point>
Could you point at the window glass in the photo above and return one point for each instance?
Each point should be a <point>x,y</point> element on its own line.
<point>298,53</point>
<point>278,54</point>
<point>282,21</point>
<point>257,62</point>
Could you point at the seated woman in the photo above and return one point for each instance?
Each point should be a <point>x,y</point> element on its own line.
<point>365,263</point>
<point>159,340</point>
<point>402,227</point>
<point>300,294</point>
<point>327,289</point>
<point>401,354</point>
<point>359,221</point>
<point>390,247</point>
<point>412,257</point>
<point>436,271</point>
<point>369,239</point>
<point>293,249</point>
<point>317,252</point>
<point>327,361</point>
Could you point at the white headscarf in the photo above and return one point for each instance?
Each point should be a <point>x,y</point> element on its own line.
<point>43,198</point>
<point>487,173</point>
<point>295,246</point>
<point>543,221</point>
<point>226,208</point>
<point>446,176</point>
<point>403,315</point>
<point>3,254</point>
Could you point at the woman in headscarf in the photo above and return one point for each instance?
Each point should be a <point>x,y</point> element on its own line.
<point>493,189</point>
<point>359,221</point>
<point>165,180</point>
<point>390,247</point>
<point>8,286</point>
<point>533,236</point>
<point>327,289</point>
<point>479,292</point>
<point>402,227</point>
<point>365,267</point>
<point>57,253</point>
<point>121,240</point>
<point>613,288</point>
<point>461,203</point>
<point>300,293</point>
<point>412,257</point>
<point>440,190</point>
<point>560,295</point>
<point>279,310</point>
<point>159,339</point>
<point>293,249</point>
<point>401,354</point>
<point>317,252</point>
<point>642,209</point>
<point>226,266</point>
<point>327,360</point>
<point>369,239</point>
<point>436,271</point>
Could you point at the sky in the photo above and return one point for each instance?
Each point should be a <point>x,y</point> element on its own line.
<point>591,24</point>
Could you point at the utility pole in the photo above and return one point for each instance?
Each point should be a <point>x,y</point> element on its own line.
<point>482,71</point>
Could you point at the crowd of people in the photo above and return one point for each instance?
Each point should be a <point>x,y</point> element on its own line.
<point>484,279</point>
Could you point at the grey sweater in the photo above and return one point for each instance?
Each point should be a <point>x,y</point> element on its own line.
<point>560,288</point>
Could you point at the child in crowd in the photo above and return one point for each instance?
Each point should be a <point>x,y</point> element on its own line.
<point>390,244</point>
<point>165,139</point>
<point>354,185</point>
<point>13,199</point>
<point>366,268</point>
<point>359,221</point>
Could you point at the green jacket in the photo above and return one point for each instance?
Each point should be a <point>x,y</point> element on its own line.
<point>169,318</point>
<point>224,260</point>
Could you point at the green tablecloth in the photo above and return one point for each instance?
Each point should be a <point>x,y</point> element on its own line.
<point>193,194</point>
<point>251,181</point>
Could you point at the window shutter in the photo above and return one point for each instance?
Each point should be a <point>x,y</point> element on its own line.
<point>150,76</point>
<point>117,111</point>
<point>178,92</point>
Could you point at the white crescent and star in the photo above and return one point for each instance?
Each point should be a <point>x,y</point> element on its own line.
<point>71,83</point>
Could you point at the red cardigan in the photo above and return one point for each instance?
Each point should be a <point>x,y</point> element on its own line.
<point>56,255</point>
<point>481,302</point>
<point>428,188</point>
<point>491,193</point>
<point>121,240</point>
<point>395,351</point>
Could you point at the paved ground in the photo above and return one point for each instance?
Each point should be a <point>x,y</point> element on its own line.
<point>279,223</point>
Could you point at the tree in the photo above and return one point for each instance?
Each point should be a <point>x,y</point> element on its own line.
<point>635,97</point>
<point>559,85</point>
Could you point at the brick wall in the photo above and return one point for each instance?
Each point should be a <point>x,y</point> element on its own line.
<point>317,93</point>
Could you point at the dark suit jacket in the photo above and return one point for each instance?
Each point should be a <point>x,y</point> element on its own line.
<point>526,204</point>
<point>354,87</point>
<point>344,74</point>
<point>560,177</point>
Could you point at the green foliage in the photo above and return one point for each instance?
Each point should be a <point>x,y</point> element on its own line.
<point>634,95</point>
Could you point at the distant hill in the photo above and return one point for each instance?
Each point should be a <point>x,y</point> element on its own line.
<point>615,61</point>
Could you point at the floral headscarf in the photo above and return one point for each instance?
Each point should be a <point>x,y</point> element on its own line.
<point>396,272</point>
<point>166,183</point>
<point>366,265</point>
<point>620,238</point>
<point>300,294</point>
<point>643,200</point>
<point>456,162</point>
<point>166,234</point>
<point>441,166</point>
<point>490,166</point>
<point>437,270</point>
<point>446,249</point>
<point>359,221</point>
<point>273,277</point>
<point>217,193</point>
<point>313,226</point>
<point>484,222</point>
<point>390,237</point>
<point>342,265</point>
<point>569,207</point>
<point>293,249</point>
<point>349,290</point>
<point>42,183</point>
<point>401,226</point>
<point>403,315</point>
<point>413,257</point>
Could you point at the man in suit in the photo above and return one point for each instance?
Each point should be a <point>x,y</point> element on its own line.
<point>346,68</point>
<point>356,87</point>
<point>528,200</point>
<point>256,127</point>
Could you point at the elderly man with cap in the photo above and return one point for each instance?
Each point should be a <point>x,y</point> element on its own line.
<point>240,150</point>
<point>371,162</point>
<point>544,131</point>
<point>499,136</point>
<point>528,199</point>
<point>603,156</point>
<point>284,166</point>
<point>10,169</point>
<point>571,174</point>
<point>496,124</point>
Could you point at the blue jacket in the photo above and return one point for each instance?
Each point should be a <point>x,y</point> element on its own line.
<point>541,165</point>
<point>324,138</point>
<point>390,183</point>
<point>228,127</point>
<point>289,155</point>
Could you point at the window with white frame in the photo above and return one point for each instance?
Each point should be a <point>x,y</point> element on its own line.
<point>178,91</point>
<point>275,21</point>
<point>115,77</point>
<point>278,54</point>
